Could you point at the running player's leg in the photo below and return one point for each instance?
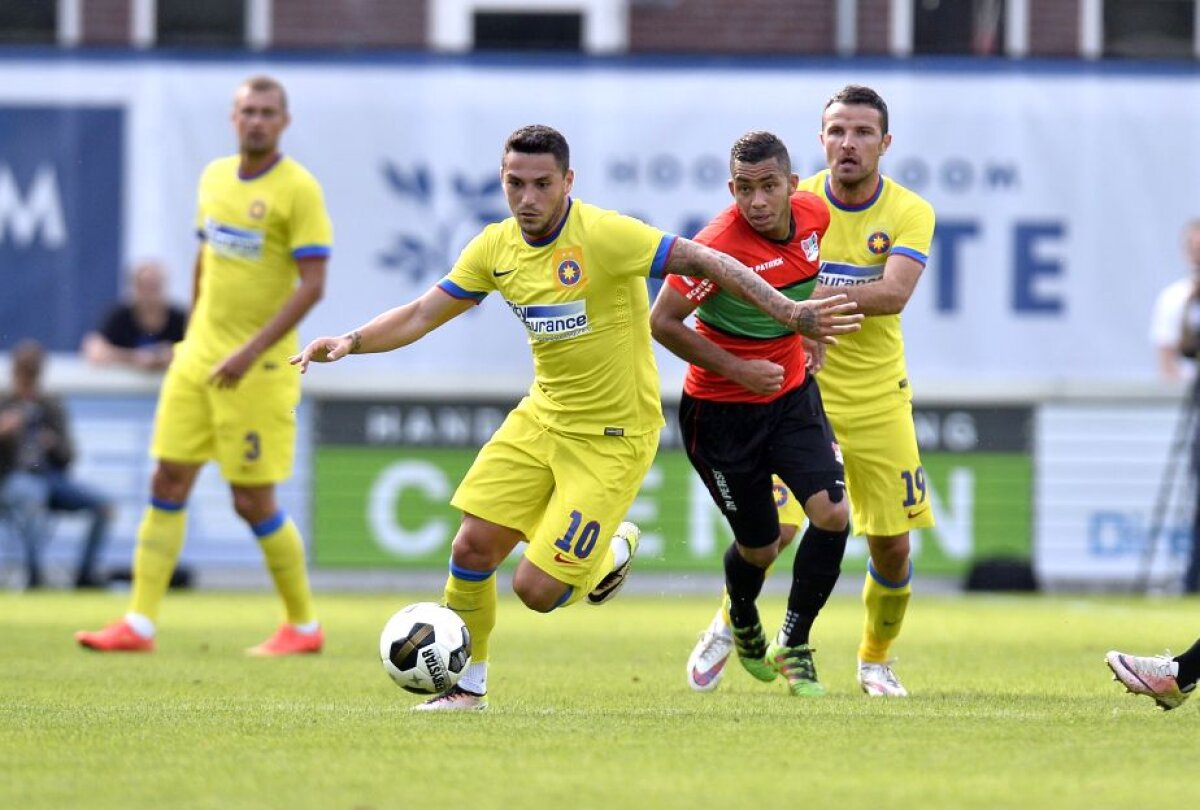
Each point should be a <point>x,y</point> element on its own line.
<point>889,496</point>
<point>806,455</point>
<point>726,444</point>
<point>582,546</point>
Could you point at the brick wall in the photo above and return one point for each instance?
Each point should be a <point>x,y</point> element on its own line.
<point>350,24</point>
<point>1053,27</point>
<point>106,22</point>
<point>743,27</point>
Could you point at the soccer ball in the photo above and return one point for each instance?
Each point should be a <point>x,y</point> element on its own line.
<point>425,648</point>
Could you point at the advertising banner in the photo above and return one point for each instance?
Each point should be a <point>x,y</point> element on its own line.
<point>385,472</point>
<point>1047,227</point>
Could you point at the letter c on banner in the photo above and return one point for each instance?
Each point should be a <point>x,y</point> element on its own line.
<point>382,508</point>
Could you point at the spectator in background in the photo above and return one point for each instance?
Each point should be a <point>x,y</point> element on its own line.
<point>35,454</point>
<point>1166,322</point>
<point>142,332</point>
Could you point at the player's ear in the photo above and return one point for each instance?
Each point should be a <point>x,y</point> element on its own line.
<point>793,183</point>
<point>569,180</point>
<point>887,141</point>
<point>729,183</point>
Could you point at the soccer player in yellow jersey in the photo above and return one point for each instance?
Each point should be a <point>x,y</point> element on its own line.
<point>229,394</point>
<point>564,467</point>
<point>874,252</point>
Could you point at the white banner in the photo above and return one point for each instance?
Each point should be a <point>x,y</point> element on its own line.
<point>1060,198</point>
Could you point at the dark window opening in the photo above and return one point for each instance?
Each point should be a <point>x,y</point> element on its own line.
<point>962,27</point>
<point>211,24</point>
<point>528,32</point>
<point>32,22</point>
<point>1149,29</point>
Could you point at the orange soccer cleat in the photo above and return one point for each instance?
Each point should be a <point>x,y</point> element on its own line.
<point>117,637</point>
<point>290,641</point>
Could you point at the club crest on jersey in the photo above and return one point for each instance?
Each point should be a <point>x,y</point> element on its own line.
<point>258,209</point>
<point>781,494</point>
<point>879,243</point>
<point>546,322</point>
<point>568,266</point>
<point>811,246</point>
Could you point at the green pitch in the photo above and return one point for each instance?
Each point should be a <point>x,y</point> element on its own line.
<point>1012,707</point>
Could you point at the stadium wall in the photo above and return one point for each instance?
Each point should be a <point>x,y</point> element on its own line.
<point>1049,251</point>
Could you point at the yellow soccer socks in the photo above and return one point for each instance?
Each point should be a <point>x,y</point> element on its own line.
<point>283,550</point>
<point>159,541</point>
<point>885,602</point>
<point>472,595</point>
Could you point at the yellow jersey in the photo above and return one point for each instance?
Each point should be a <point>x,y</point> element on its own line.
<point>254,229</point>
<point>580,293</point>
<point>866,368</point>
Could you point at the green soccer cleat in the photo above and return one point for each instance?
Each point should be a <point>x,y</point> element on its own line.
<point>751,645</point>
<point>796,665</point>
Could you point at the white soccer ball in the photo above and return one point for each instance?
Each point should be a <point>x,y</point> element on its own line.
<point>425,648</point>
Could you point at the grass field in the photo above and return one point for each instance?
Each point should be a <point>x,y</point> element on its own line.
<point>1012,707</point>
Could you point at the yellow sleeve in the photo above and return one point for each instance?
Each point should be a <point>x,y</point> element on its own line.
<point>311,229</point>
<point>470,277</point>
<point>629,247</point>
<point>916,230</point>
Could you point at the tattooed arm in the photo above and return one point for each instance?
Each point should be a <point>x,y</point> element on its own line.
<point>818,319</point>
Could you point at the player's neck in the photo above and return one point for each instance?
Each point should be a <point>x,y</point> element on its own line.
<point>256,163</point>
<point>855,193</point>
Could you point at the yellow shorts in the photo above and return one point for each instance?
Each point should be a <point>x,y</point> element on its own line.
<point>250,430</point>
<point>888,491</point>
<point>565,492</point>
<point>791,511</point>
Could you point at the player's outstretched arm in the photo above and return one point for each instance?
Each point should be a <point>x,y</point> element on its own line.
<point>387,331</point>
<point>820,320</point>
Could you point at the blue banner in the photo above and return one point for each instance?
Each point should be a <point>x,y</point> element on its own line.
<point>61,194</point>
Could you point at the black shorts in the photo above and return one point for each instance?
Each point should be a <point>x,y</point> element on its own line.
<point>737,446</point>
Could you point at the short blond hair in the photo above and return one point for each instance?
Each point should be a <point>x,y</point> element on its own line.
<point>263,83</point>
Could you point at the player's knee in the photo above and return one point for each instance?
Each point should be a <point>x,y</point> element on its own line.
<point>829,509</point>
<point>760,557</point>
<point>536,589</point>
<point>890,554</point>
<point>171,483</point>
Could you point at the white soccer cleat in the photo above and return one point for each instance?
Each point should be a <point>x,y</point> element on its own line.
<point>1153,676</point>
<point>607,588</point>
<point>706,664</point>
<point>454,699</point>
<point>879,680</point>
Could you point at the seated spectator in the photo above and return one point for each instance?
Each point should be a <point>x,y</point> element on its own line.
<point>35,453</point>
<point>142,332</point>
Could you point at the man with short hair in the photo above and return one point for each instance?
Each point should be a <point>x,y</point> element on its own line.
<point>562,470</point>
<point>874,252</point>
<point>140,333</point>
<point>229,394</point>
<point>750,410</point>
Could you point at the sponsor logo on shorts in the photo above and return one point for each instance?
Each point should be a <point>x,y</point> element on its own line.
<point>913,513</point>
<point>559,558</point>
<point>546,322</point>
<point>723,491</point>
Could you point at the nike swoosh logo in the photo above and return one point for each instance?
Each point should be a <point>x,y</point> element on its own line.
<point>917,513</point>
<point>559,558</point>
<point>889,624</point>
<point>705,678</point>
<point>500,273</point>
